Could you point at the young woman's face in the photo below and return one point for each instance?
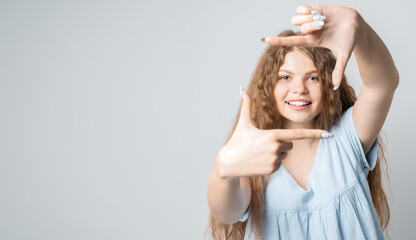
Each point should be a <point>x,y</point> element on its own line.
<point>298,91</point>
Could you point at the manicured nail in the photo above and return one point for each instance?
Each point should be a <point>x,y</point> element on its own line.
<point>319,24</point>
<point>335,88</point>
<point>318,17</point>
<point>241,91</point>
<point>314,12</point>
<point>263,39</point>
<point>327,135</point>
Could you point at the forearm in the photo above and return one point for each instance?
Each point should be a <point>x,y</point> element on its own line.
<point>228,198</point>
<point>375,63</point>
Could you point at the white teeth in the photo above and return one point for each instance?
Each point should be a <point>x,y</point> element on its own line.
<point>298,103</point>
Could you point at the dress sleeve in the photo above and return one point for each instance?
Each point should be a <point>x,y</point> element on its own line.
<point>347,130</point>
<point>245,216</point>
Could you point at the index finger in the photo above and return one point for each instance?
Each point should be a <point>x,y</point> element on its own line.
<point>296,134</point>
<point>287,41</point>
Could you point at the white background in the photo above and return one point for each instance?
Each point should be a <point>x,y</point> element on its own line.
<point>112,112</point>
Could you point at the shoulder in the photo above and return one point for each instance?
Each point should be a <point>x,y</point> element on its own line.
<point>346,138</point>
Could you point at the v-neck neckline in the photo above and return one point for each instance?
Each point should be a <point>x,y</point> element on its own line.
<point>310,174</point>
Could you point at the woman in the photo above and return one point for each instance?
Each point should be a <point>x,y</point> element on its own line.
<point>302,161</point>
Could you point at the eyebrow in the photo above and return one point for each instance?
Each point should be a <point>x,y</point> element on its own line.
<point>308,73</point>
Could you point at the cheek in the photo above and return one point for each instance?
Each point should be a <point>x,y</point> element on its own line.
<point>279,97</point>
<point>278,93</point>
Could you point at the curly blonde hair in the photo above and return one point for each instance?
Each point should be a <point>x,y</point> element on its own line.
<point>264,115</point>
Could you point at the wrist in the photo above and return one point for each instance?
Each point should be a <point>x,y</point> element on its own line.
<point>362,33</point>
<point>223,168</point>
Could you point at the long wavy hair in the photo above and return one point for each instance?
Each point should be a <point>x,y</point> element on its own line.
<point>264,115</point>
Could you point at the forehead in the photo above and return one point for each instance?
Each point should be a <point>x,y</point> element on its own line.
<point>297,61</point>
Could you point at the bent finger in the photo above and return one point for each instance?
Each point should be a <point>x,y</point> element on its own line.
<point>309,27</point>
<point>302,19</point>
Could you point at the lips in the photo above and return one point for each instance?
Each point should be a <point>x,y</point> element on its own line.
<point>298,104</point>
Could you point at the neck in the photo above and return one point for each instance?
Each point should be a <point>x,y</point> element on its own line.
<point>302,143</point>
<point>295,125</point>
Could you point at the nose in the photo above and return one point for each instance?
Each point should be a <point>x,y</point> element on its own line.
<point>299,87</point>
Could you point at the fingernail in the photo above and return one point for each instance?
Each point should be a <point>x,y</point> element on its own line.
<point>327,135</point>
<point>241,91</point>
<point>263,39</point>
<point>319,24</point>
<point>335,88</point>
<point>314,12</point>
<point>318,17</point>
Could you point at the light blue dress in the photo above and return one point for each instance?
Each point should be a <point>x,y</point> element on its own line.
<point>337,204</point>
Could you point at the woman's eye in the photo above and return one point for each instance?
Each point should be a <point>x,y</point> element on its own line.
<point>284,77</point>
<point>312,78</point>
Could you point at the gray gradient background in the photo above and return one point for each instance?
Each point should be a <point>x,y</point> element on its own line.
<point>112,112</point>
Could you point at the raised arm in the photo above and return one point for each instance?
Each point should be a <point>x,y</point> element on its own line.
<point>344,31</point>
<point>380,80</point>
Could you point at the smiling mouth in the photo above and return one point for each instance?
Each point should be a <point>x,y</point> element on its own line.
<point>299,103</point>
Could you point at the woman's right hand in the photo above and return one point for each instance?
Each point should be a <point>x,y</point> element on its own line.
<point>254,152</point>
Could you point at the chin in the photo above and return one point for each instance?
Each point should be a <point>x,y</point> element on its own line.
<point>301,120</point>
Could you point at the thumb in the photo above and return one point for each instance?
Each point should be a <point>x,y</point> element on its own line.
<point>339,69</point>
<point>245,109</point>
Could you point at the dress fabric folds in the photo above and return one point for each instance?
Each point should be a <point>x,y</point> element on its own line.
<point>337,203</point>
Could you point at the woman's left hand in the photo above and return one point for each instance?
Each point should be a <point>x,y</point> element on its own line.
<point>332,27</point>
